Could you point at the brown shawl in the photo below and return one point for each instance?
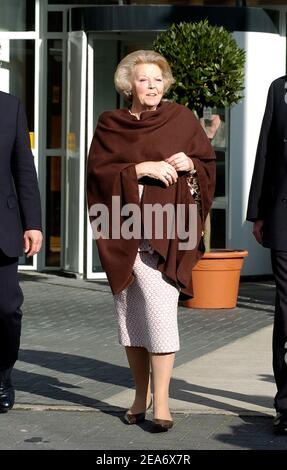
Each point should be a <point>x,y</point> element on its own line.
<point>120,142</point>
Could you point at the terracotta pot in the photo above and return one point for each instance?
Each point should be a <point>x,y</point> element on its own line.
<point>216,279</point>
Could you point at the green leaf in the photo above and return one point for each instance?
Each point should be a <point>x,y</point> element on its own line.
<point>206,62</point>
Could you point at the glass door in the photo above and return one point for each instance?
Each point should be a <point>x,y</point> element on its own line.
<point>104,53</point>
<point>102,61</point>
<point>17,76</point>
<point>75,154</point>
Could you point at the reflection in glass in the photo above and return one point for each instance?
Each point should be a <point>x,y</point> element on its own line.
<point>55,21</point>
<point>20,70</point>
<point>220,174</point>
<point>219,140</point>
<point>218,228</point>
<point>83,2</point>
<point>97,267</point>
<point>17,15</point>
<point>53,211</point>
<point>105,97</point>
<point>54,93</point>
<point>230,3</point>
<point>105,63</point>
<point>72,164</point>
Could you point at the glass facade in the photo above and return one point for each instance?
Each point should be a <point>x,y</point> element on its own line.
<point>59,117</point>
<point>171,2</point>
<point>218,228</point>
<point>17,72</point>
<point>73,161</point>
<point>83,2</point>
<point>53,211</point>
<point>55,21</point>
<point>54,93</point>
<point>17,15</point>
<point>219,211</point>
<point>53,168</point>
<point>104,96</point>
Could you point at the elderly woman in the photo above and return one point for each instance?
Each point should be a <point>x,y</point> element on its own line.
<point>153,152</point>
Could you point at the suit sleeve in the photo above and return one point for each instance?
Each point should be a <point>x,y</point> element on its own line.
<point>258,194</point>
<point>24,175</point>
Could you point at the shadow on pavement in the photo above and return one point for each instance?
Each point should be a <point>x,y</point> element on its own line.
<point>193,393</point>
<point>254,433</point>
<point>104,372</point>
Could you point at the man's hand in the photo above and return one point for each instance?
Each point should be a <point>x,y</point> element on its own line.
<point>32,242</point>
<point>258,230</point>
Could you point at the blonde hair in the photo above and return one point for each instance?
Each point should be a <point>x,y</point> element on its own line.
<point>125,69</point>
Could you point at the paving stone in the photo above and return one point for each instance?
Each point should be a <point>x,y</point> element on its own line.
<point>70,357</point>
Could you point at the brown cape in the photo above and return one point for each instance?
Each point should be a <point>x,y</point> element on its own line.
<point>120,142</point>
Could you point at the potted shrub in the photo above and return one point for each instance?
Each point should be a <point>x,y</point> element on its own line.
<point>208,67</point>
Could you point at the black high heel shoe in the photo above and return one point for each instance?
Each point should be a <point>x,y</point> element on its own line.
<point>162,425</point>
<point>136,418</point>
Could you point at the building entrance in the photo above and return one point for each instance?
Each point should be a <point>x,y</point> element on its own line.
<point>105,54</point>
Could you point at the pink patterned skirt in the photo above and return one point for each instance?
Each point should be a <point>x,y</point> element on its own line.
<point>147,309</point>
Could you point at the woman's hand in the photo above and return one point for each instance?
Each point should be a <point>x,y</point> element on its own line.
<point>32,242</point>
<point>162,171</point>
<point>180,162</point>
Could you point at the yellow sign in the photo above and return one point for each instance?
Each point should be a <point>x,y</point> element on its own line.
<point>71,141</point>
<point>32,139</point>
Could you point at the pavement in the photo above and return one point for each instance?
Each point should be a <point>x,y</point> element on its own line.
<point>73,383</point>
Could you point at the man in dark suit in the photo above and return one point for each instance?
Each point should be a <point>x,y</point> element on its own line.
<point>267,209</point>
<point>20,230</point>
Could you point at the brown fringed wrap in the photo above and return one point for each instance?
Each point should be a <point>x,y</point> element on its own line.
<point>120,142</point>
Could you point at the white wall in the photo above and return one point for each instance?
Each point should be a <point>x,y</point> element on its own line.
<point>265,61</point>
